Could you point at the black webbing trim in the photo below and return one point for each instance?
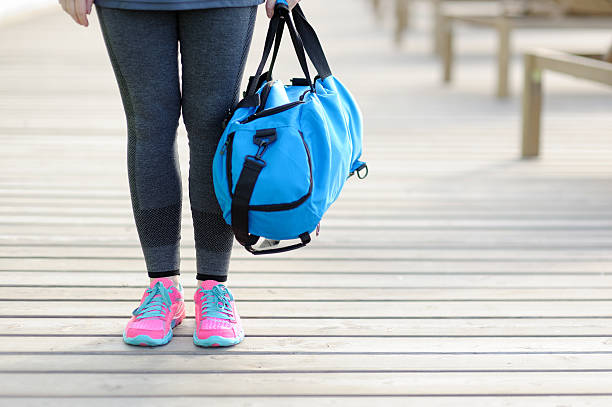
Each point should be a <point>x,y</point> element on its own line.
<point>311,43</point>
<point>242,196</point>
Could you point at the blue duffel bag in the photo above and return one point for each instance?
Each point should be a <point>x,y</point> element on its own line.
<point>287,150</point>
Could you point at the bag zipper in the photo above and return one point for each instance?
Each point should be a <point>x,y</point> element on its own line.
<point>269,207</point>
<point>271,111</point>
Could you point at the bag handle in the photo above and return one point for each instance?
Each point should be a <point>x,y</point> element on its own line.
<point>311,42</point>
<point>304,240</point>
<point>278,21</point>
<point>277,43</point>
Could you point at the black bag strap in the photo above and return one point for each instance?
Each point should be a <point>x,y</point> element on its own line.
<point>281,17</point>
<point>304,38</point>
<point>311,42</point>
<point>240,209</point>
<point>242,197</point>
<point>304,240</point>
<point>277,43</point>
<point>298,45</point>
<point>254,80</point>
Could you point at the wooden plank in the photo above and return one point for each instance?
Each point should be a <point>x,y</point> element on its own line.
<point>330,224</point>
<point>338,212</point>
<point>301,401</point>
<point>363,327</point>
<point>220,384</point>
<point>314,266</point>
<point>320,251</point>
<point>536,237</point>
<point>485,205</point>
<point>288,279</point>
<point>316,345</point>
<point>288,363</point>
<point>407,294</point>
<point>328,309</point>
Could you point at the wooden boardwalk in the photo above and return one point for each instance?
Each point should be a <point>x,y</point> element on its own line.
<point>455,275</point>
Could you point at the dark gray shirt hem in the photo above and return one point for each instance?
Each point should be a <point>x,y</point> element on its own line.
<point>174,5</point>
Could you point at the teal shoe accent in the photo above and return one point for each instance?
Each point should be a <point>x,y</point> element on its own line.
<point>145,340</point>
<point>157,301</point>
<point>215,340</point>
<point>216,302</point>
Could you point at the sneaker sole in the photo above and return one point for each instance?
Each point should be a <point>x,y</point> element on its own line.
<point>146,340</point>
<point>214,341</point>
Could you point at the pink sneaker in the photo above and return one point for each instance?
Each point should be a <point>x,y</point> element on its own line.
<point>161,309</point>
<point>217,320</point>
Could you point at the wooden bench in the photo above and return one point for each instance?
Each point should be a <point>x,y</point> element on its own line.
<point>440,9</point>
<point>402,17</point>
<point>503,27</point>
<point>581,66</point>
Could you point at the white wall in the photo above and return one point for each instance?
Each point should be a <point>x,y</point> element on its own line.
<point>10,8</point>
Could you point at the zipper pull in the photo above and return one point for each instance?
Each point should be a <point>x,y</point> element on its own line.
<point>228,116</point>
<point>225,145</point>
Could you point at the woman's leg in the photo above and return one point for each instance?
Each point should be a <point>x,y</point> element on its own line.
<point>214,46</point>
<point>143,48</point>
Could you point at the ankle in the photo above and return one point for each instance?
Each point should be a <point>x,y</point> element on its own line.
<point>201,277</point>
<point>175,279</point>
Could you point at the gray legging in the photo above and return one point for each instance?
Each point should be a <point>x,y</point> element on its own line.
<point>143,49</point>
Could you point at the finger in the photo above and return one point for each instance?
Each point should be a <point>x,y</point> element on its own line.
<point>89,6</point>
<point>70,9</point>
<point>63,3</point>
<point>80,9</point>
<point>270,8</point>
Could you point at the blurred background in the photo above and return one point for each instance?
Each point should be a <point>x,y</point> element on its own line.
<point>13,9</point>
